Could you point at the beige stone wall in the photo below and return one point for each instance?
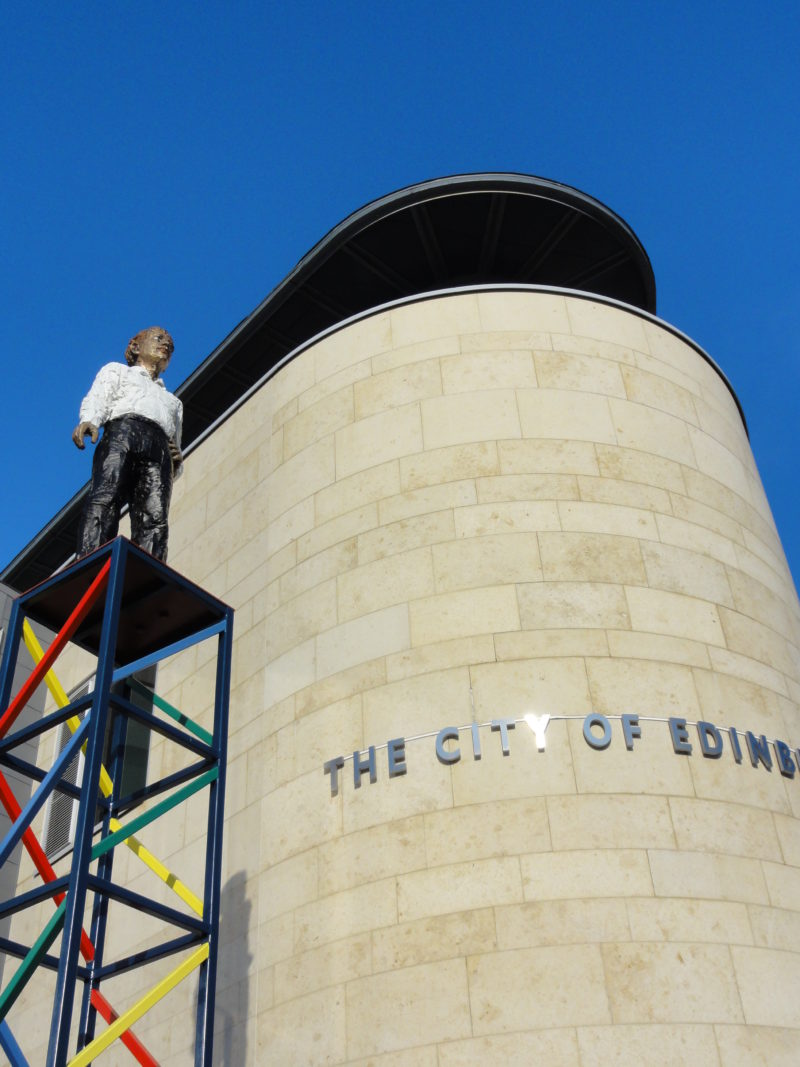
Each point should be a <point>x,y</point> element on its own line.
<point>475,507</point>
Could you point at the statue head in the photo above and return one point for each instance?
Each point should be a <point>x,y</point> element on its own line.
<point>152,343</point>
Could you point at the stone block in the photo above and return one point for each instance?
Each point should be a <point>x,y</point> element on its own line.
<point>534,988</point>
<point>775,927</point>
<point>652,768</point>
<point>436,937</point>
<point>767,983</point>
<point>458,887</point>
<point>591,557</point>
<point>632,465</point>
<point>572,605</point>
<point>508,517</point>
<point>700,875</point>
<point>783,885</point>
<point>560,413</point>
<point>334,383</point>
<point>371,855</point>
<point>745,1046</point>
<point>641,427</point>
<point>328,965</point>
<point>377,439</point>
<point>417,705</point>
<point>309,1031</point>
<point>345,914</point>
<point>415,352</point>
<point>318,421</point>
<point>583,374</point>
<point>748,637</point>
<point>473,372</point>
<point>545,644</point>
<point>394,388</point>
<point>655,391</point>
<point>588,318</point>
<point>384,582</point>
<point>427,500</point>
<point>450,464</point>
<point>589,517</point>
<point>301,618</point>
<point>736,829</point>
<point>788,831</point>
<point>413,1006</point>
<point>627,644</point>
<point>556,456</point>
<point>586,873</point>
<point>602,822</point>
<point>357,491</point>
<point>502,559</point>
<point>716,921</point>
<point>724,661</point>
<point>647,1046</point>
<point>440,317</point>
<point>679,570</point>
<point>317,569</point>
<point>405,534</point>
<point>655,611</point>
<point>560,922</point>
<point>301,477</point>
<point>355,343</point>
<point>556,1048</point>
<point>671,982</point>
<point>464,418</point>
<point>523,774</point>
<point>463,613</point>
<point>292,671</point>
<point>527,487</point>
<point>287,885</point>
<point>630,494</point>
<point>645,688</point>
<point>509,311</point>
<point>315,818</point>
<point>475,832</point>
<point>719,463</point>
<point>336,531</point>
<point>503,340</point>
<point>351,643</point>
<point>440,656</point>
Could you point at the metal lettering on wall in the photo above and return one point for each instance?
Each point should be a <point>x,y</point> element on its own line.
<point>451,744</point>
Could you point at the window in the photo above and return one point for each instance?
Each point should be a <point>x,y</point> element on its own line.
<point>61,813</point>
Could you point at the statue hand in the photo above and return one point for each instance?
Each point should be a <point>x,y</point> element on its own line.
<point>85,429</point>
<point>175,454</point>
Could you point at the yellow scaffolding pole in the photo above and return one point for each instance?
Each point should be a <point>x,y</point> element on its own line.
<point>106,786</point>
<point>128,1018</point>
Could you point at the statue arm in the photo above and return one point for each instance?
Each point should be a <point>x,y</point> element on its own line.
<point>96,405</point>
<point>175,442</point>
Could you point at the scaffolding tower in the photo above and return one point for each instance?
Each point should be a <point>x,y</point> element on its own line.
<point>130,612</point>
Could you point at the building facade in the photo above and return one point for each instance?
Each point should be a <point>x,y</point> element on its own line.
<point>513,764</point>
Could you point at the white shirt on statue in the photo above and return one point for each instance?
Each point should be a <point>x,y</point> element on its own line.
<point>122,390</point>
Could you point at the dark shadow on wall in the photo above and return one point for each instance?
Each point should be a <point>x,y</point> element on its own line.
<point>230,1021</point>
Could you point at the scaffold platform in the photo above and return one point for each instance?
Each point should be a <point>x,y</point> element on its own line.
<point>130,613</point>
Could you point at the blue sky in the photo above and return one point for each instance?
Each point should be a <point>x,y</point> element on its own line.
<point>170,164</point>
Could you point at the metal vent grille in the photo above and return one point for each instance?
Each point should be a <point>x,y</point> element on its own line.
<point>62,811</point>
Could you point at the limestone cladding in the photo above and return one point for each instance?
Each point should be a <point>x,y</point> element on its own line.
<point>458,510</point>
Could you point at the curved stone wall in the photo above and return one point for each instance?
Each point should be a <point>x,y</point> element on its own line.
<point>468,509</point>
<point>464,510</point>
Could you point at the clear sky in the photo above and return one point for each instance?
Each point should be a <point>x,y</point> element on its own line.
<point>170,163</point>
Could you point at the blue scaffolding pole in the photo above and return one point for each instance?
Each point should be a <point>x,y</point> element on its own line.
<point>131,612</point>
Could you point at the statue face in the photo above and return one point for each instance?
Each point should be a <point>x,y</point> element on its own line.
<point>154,349</point>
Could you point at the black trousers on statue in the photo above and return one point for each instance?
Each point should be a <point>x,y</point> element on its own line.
<point>132,466</point>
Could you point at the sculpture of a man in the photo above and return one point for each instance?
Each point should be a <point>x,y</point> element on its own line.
<point>139,454</point>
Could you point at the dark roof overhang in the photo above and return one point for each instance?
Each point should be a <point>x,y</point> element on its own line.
<point>468,229</point>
